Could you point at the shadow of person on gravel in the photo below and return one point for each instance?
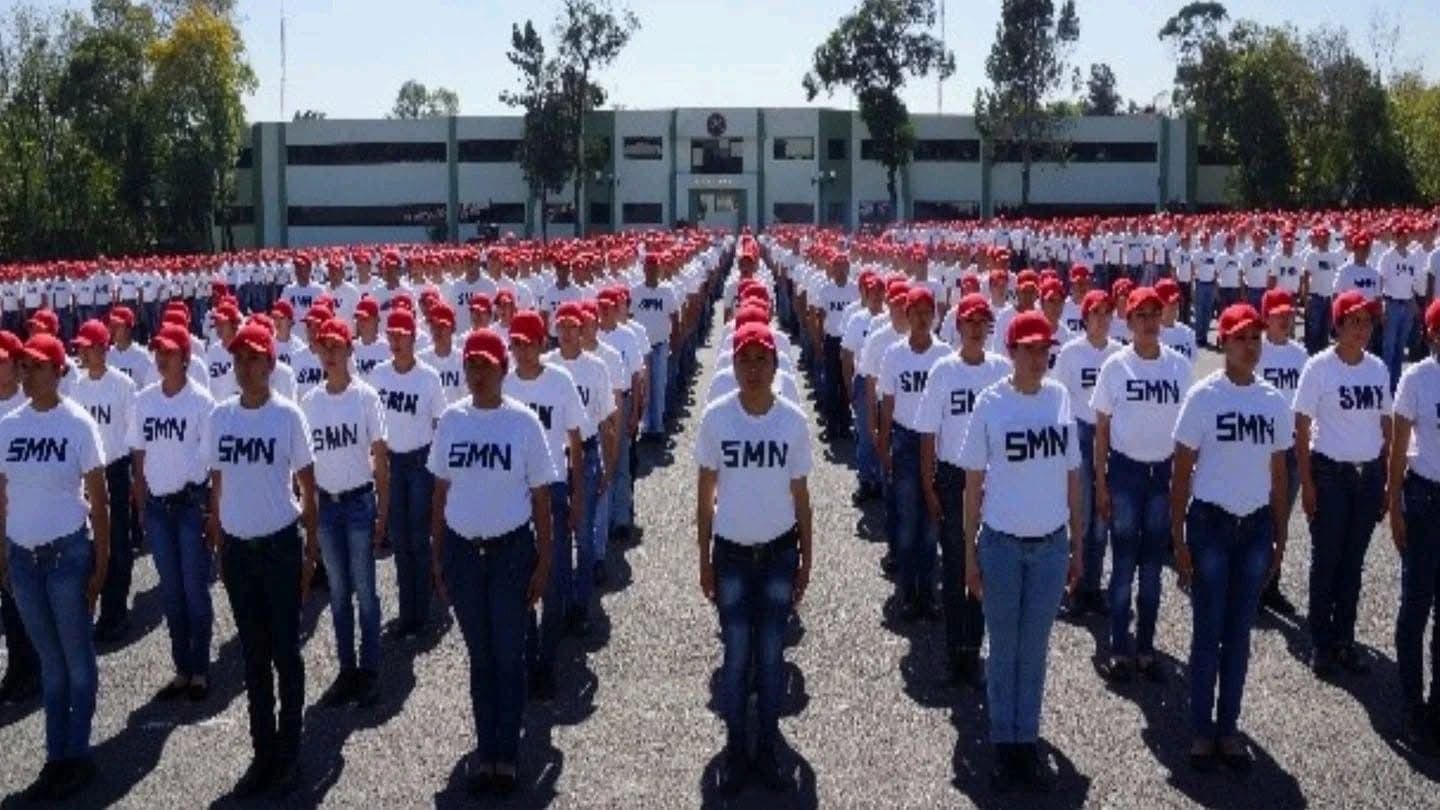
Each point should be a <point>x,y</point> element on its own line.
<point>974,758</point>
<point>794,699</point>
<point>146,614</point>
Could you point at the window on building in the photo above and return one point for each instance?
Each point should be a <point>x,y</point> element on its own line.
<point>560,213</point>
<point>643,148</point>
<point>499,213</point>
<point>794,149</point>
<point>245,159</point>
<point>242,215</point>
<point>1081,152</point>
<point>947,150</point>
<point>867,149</point>
<point>933,210</point>
<point>366,216</point>
<point>363,154</point>
<point>837,212</point>
<point>642,213</point>
<point>488,150</point>
<point>600,214</point>
<point>873,211</point>
<point>717,156</point>
<point>837,149</point>
<point>794,213</point>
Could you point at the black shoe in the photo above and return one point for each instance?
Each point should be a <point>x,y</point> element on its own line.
<point>620,535</point>
<point>1353,662</point>
<point>71,778</point>
<point>1004,773</point>
<point>1274,601</point>
<point>1322,663</point>
<point>504,784</point>
<point>1034,770</point>
<point>1151,670</point>
<point>172,690</point>
<point>198,692</point>
<point>734,774</point>
<point>768,772</point>
<point>1204,762</point>
<point>1237,759</point>
<point>1415,730</point>
<point>256,778</point>
<point>285,778</point>
<point>396,628</point>
<point>910,609</point>
<point>1118,670</point>
<point>974,670</point>
<point>887,565</point>
<point>542,686</point>
<point>858,498</point>
<point>577,624</point>
<point>1095,603</point>
<point>39,790</point>
<point>341,691</point>
<point>478,783</point>
<point>112,632</point>
<point>367,688</point>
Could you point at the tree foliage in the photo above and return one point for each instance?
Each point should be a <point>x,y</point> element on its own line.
<point>1028,63</point>
<point>546,153</point>
<point>1101,97</point>
<point>415,100</point>
<point>1416,106</point>
<point>118,129</point>
<point>872,52</point>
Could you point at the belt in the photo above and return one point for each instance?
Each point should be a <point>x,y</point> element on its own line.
<point>183,496</point>
<point>406,455</point>
<point>1323,460</point>
<point>1413,478</point>
<point>592,443</point>
<point>490,545</point>
<point>757,552</point>
<point>1222,512</point>
<point>1398,300</point>
<point>1036,539</point>
<point>363,489</point>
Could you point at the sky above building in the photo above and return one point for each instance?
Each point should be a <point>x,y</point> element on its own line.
<point>347,58</point>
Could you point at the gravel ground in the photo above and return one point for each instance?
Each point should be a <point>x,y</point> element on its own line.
<point>868,722</point>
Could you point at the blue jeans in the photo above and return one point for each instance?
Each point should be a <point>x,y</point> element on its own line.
<point>1140,540</point>
<point>1317,323</point>
<point>347,542</point>
<point>183,562</point>
<point>585,551</point>
<point>1232,557</point>
<point>1399,322</point>
<point>543,641</point>
<point>754,592</point>
<point>1094,532</point>
<point>1347,509</point>
<point>659,382</point>
<point>1419,584</point>
<point>411,488</point>
<point>487,593</point>
<point>1253,297</point>
<point>1204,310</point>
<point>916,535</point>
<point>622,482</point>
<point>867,462</point>
<point>1024,580</point>
<point>49,585</point>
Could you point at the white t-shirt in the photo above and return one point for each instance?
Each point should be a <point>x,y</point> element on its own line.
<point>1142,398</point>
<point>755,459</point>
<point>1320,268</point>
<point>1280,365</point>
<point>309,371</point>
<point>136,364</point>
<point>220,366</point>
<point>1418,400</point>
<point>652,307</point>
<point>257,451</point>
<point>1235,430</point>
<point>1398,273</point>
<point>903,376</point>
<point>1026,444</point>
<point>1078,368</point>
<point>492,458</point>
<point>832,301</point>
<point>592,383</point>
<point>46,456</point>
<point>451,371</point>
<point>1255,269</point>
<point>110,401</point>
<point>343,427</point>
<point>724,384</point>
<point>879,341</point>
<point>171,433</point>
<point>1286,270</point>
<point>626,342</point>
<point>950,396</point>
<point>1360,277</point>
<point>1345,404</point>
<point>411,402</point>
<point>302,297</point>
<point>368,356</point>
<point>1181,338</point>
<point>553,398</point>
<point>460,291</point>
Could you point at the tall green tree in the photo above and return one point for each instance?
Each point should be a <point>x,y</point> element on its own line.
<point>872,52</point>
<point>1415,104</point>
<point>1027,64</point>
<point>590,35</point>
<point>546,153</point>
<point>1101,97</point>
<point>415,100</point>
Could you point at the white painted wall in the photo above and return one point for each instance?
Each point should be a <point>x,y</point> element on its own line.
<point>643,181</point>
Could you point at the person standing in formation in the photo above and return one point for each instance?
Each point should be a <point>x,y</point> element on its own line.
<point>753,527</point>
<point>167,449</point>
<point>1281,360</point>
<point>352,476</point>
<point>22,668</point>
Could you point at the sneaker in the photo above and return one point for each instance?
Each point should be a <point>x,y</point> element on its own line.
<point>1234,755</point>
<point>71,778</point>
<point>39,790</point>
<point>341,691</point>
<point>1273,600</point>
<point>1351,660</point>
<point>173,690</point>
<point>505,781</point>
<point>1118,670</point>
<point>1035,772</point>
<point>367,688</point>
<point>1150,670</point>
<point>256,777</point>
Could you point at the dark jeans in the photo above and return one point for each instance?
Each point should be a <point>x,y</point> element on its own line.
<point>916,535</point>
<point>542,644</point>
<point>1419,584</point>
<point>183,563</point>
<point>834,404</point>
<point>347,542</point>
<point>262,577</point>
<point>115,596</point>
<point>754,589</point>
<point>49,584</point>
<point>1232,557</point>
<point>1140,541</point>
<point>1317,323</point>
<point>411,487</point>
<point>1347,509</point>
<point>487,582</point>
<point>1205,292</point>
<point>964,616</point>
<point>1095,534</point>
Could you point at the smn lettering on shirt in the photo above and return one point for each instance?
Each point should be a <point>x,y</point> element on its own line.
<point>170,428</point>
<point>1248,428</point>
<point>310,376</point>
<point>766,453</point>
<point>913,382</point>
<point>545,412</point>
<point>489,455</point>
<point>1285,379</point>
<point>962,402</point>
<point>1161,392</point>
<point>334,437</point>
<point>1361,397</point>
<point>42,450</point>
<point>100,413</point>
<point>401,402</point>
<point>1025,445</point>
<point>218,370</point>
<point>238,449</point>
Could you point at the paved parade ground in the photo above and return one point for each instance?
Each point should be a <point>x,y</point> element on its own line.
<point>869,722</point>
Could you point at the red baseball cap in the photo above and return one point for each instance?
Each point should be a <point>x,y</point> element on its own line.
<point>504,297</point>
<point>485,344</point>
<point>227,312</point>
<point>11,345</point>
<point>480,302</point>
<point>1079,272</point>
<point>367,308</point>
<point>1169,291</point>
<point>334,331</point>
<point>1093,300</point>
<point>1237,318</point>
<point>897,293</point>
<point>46,348</point>
<point>400,322</point>
<point>171,338</point>
<point>751,314</point>
<point>92,334</point>
<point>45,321</point>
<point>1140,296</point>
<point>1277,302</point>
<point>1027,278</point>
<point>974,307</point>
<point>570,311</point>
<point>179,317</point>
<point>970,284</point>
<point>1349,302</point>
<point>283,309</point>
<point>122,316</point>
<point>254,337</point>
<point>527,327</point>
<point>918,296</point>
<point>754,334</point>
<point>318,315</point>
<point>441,314</point>
<point>1029,329</point>
<point>1052,290</point>
<point>1432,317</point>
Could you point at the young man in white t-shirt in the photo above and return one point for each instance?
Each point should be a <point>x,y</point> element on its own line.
<point>1281,361</point>
<point>22,668</point>
<point>347,436</point>
<point>441,354</point>
<point>753,527</point>
<point>955,383</point>
<point>260,460</point>
<point>657,308</point>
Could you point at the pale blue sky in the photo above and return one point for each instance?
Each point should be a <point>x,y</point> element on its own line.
<point>348,57</point>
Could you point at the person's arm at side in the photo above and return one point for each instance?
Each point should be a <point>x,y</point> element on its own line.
<point>380,460</point>
<point>1102,461</point>
<point>1387,428</point>
<point>1308,496</point>
<point>704,523</point>
<point>437,536</point>
<point>577,477</point>
<point>540,516</point>
<point>1279,510</point>
<point>309,522</point>
<point>609,449</point>
<point>1399,463</point>
<point>927,475</point>
<point>1181,484</point>
<point>974,495</point>
<point>139,487</point>
<point>1077,529</point>
<point>99,497</point>
<point>800,493</point>
<point>882,444</point>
